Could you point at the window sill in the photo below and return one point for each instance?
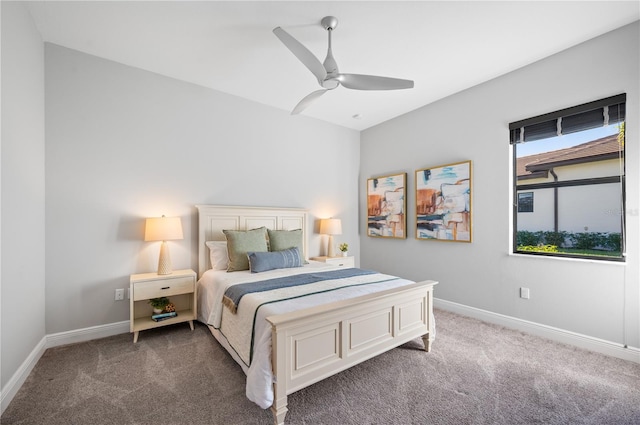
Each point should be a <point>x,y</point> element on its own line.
<point>579,260</point>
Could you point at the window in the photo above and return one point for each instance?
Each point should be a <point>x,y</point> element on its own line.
<point>525,202</point>
<point>572,163</point>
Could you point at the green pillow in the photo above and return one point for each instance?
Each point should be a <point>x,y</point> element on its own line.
<point>279,240</point>
<point>240,242</point>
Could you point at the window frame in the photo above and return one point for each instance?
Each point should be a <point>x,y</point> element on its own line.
<point>530,195</point>
<point>542,124</point>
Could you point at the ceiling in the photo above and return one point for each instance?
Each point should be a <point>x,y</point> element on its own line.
<point>444,46</point>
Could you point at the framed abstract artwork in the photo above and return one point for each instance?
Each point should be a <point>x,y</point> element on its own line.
<point>443,202</point>
<point>387,206</point>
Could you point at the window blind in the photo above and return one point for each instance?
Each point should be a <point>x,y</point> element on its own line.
<point>594,114</point>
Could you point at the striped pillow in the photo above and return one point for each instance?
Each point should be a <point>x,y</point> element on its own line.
<point>263,261</point>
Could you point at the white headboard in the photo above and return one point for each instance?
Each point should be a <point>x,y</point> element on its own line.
<point>213,219</point>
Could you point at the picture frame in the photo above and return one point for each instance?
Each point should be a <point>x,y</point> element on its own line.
<point>387,206</point>
<point>443,202</point>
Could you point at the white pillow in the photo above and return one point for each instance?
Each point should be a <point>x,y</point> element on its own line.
<point>218,255</point>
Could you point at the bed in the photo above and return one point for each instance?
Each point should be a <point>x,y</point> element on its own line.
<point>288,338</point>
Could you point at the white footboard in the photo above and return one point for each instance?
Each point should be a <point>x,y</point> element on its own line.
<point>312,344</point>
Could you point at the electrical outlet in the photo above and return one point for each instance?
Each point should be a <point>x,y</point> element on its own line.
<point>119,294</point>
<point>524,293</point>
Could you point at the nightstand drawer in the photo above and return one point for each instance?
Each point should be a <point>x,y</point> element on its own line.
<point>163,288</point>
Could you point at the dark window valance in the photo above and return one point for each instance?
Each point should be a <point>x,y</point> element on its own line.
<point>578,118</point>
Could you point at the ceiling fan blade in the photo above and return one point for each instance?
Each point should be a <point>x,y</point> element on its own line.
<point>302,53</point>
<point>307,100</point>
<point>372,82</point>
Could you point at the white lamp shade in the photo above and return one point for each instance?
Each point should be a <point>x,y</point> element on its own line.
<point>331,226</point>
<point>163,229</point>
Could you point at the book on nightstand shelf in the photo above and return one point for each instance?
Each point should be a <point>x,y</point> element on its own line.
<point>163,316</point>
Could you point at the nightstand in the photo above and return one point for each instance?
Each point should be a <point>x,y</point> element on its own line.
<point>179,287</point>
<point>337,261</point>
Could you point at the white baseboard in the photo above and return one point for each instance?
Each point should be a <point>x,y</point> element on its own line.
<point>87,334</point>
<point>10,390</point>
<point>560,335</point>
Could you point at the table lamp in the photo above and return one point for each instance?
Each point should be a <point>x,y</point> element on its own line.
<point>163,229</point>
<point>330,226</point>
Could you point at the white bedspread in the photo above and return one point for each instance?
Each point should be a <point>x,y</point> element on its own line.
<point>234,329</point>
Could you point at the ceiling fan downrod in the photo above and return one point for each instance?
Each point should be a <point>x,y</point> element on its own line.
<point>330,65</point>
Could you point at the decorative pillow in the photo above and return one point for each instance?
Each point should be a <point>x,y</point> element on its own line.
<point>218,254</point>
<point>263,261</point>
<point>240,242</point>
<point>284,239</point>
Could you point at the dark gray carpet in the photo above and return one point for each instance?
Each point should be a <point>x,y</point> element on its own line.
<point>477,373</point>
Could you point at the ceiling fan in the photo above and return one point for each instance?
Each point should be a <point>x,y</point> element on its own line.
<point>327,72</point>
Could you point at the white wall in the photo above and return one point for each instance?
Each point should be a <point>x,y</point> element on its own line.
<point>600,300</point>
<point>123,144</point>
<point>22,194</point>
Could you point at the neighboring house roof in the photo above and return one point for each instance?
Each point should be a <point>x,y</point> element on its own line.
<point>538,166</point>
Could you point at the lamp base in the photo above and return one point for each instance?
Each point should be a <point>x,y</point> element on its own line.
<point>164,262</point>
<point>330,250</point>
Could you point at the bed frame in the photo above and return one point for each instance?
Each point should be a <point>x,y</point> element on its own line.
<point>314,343</point>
